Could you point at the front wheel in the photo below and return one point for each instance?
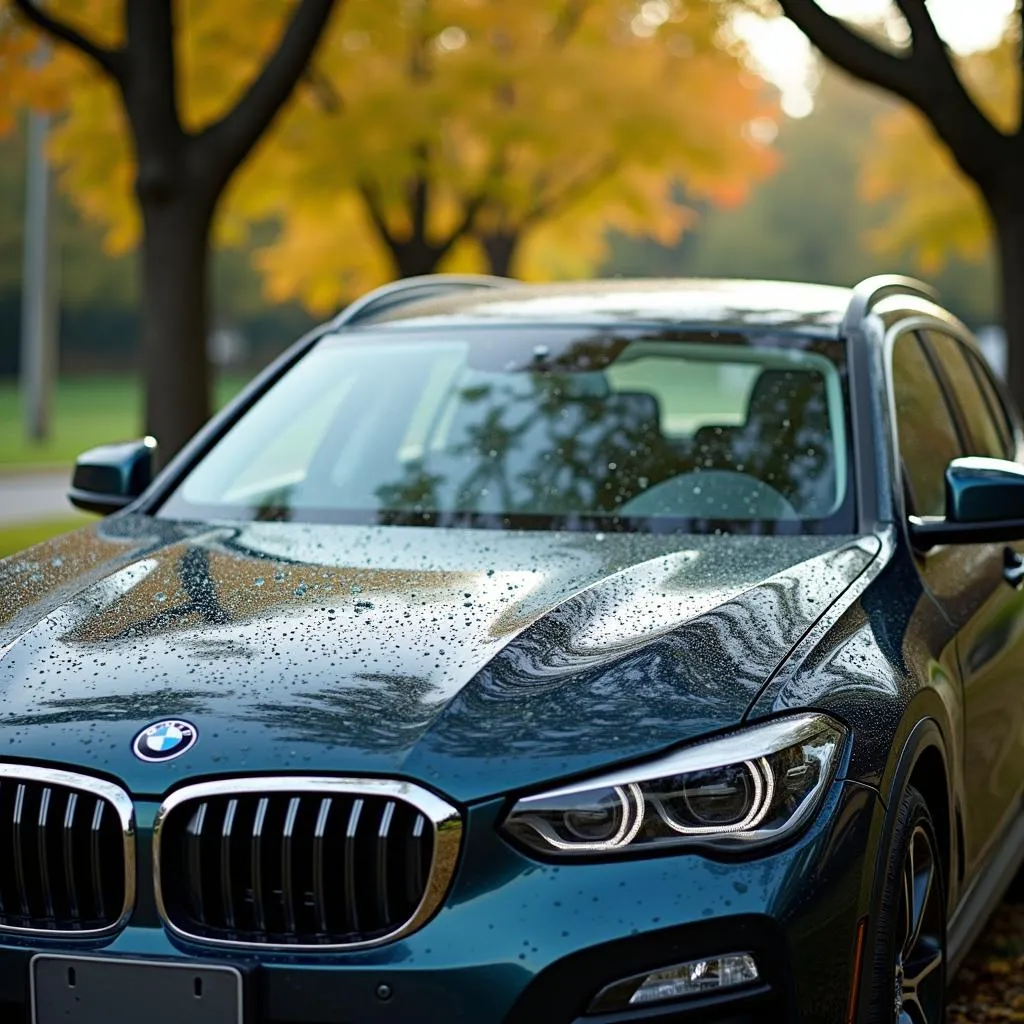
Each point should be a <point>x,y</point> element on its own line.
<point>909,963</point>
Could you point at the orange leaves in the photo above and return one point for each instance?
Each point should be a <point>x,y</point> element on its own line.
<point>26,81</point>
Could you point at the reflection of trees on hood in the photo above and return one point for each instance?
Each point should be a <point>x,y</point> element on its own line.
<point>136,706</point>
<point>193,570</point>
<point>382,712</point>
<point>542,690</point>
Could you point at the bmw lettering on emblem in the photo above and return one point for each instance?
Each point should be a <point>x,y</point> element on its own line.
<point>163,741</point>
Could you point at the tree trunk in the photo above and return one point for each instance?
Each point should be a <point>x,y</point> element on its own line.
<point>174,320</point>
<point>1009,227</point>
<point>500,247</point>
<point>415,257</point>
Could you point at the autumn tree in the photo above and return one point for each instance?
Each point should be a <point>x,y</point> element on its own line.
<point>140,64</point>
<point>503,136</point>
<point>934,211</point>
<point>986,146</point>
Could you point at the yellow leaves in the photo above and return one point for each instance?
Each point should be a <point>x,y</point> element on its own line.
<point>558,120</point>
<point>575,244</point>
<point>95,166</point>
<point>937,210</point>
<point>219,48</point>
<point>326,252</point>
<point>567,126</point>
<point>25,82</point>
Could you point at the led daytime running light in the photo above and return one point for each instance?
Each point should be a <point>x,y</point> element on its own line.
<point>764,790</point>
<point>632,801</point>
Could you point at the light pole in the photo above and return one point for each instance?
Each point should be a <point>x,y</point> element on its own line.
<point>38,290</point>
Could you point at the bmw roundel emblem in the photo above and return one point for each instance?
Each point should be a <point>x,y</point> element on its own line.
<point>163,741</point>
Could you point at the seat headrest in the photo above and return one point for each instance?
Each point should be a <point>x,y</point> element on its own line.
<point>782,391</point>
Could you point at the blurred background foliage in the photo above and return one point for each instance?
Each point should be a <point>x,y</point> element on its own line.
<point>635,138</point>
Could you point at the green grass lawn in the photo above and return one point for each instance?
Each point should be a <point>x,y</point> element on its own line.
<point>87,411</point>
<point>24,535</point>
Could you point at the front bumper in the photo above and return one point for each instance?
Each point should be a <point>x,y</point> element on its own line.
<point>522,942</point>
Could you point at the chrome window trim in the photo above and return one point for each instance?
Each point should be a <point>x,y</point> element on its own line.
<point>122,803</point>
<point>446,820</point>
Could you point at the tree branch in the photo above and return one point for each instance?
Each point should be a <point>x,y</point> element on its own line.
<point>852,51</point>
<point>475,204</point>
<point>944,97</point>
<point>573,190</point>
<point>376,212</point>
<point>237,132</point>
<point>470,213</point>
<point>568,21</point>
<point>327,97</point>
<point>927,79</point>
<point>926,38</point>
<point>110,61</point>
<point>418,193</point>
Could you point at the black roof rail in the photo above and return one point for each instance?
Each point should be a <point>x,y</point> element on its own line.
<point>871,291</point>
<point>413,289</point>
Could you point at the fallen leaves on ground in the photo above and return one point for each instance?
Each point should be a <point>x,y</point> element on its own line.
<point>990,984</point>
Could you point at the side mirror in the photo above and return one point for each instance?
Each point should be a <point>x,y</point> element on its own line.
<point>110,477</point>
<point>984,504</point>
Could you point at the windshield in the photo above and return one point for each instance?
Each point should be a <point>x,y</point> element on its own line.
<point>542,428</point>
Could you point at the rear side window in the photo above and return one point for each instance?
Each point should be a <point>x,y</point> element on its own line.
<point>927,436</point>
<point>986,437</point>
<point>984,378</point>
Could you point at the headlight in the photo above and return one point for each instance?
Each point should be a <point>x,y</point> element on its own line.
<point>744,788</point>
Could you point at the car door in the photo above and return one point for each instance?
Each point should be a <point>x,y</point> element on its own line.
<point>976,584</point>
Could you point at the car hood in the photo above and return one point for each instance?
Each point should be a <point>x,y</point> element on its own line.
<point>475,661</point>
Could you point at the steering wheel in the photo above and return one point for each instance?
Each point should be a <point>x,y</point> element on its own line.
<point>711,494</point>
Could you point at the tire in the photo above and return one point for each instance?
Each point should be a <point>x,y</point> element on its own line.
<point>907,950</point>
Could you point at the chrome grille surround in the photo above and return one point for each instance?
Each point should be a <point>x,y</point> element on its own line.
<point>444,819</point>
<point>51,779</point>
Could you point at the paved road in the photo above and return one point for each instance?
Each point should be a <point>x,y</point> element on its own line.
<point>28,496</point>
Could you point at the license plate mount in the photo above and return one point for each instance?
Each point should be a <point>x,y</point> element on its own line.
<point>115,990</point>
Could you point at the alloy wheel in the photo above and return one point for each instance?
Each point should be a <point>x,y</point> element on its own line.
<point>919,975</point>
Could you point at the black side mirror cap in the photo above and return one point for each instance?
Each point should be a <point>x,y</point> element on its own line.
<point>984,504</point>
<point>111,477</point>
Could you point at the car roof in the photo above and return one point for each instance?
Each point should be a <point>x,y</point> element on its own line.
<point>783,305</point>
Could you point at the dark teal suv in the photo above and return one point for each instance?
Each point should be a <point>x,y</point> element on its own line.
<point>612,652</point>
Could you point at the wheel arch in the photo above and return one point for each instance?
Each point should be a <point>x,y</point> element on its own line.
<point>921,759</point>
<point>924,762</point>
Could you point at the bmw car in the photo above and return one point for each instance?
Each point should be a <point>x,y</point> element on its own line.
<point>604,653</point>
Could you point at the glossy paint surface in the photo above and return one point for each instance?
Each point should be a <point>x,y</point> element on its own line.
<point>477,662</point>
<point>485,664</point>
